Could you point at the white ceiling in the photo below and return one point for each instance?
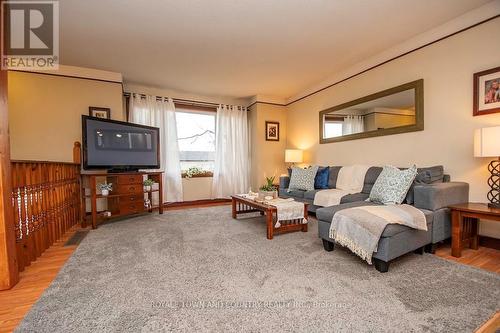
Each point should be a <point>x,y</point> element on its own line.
<point>240,48</point>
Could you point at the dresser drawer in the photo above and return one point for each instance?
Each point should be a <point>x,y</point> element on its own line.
<point>130,188</point>
<point>130,179</point>
<point>131,207</point>
<point>132,198</point>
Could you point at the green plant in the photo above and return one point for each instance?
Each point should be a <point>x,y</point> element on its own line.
<point>108,187</point>
<point>193,171</point>
<point>269,185</point>
<point>148,182</point>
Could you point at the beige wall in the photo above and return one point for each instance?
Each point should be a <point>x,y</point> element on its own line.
<point>45,113</point>
<point>267,157</point>
<point>197,188</point>
<point>447,68</point>
<point>375,121</point>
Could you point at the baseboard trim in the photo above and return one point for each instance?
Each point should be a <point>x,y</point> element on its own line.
<point>492,243</point>
<point>195,202</point>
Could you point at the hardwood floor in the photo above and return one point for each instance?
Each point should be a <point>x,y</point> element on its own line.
<point>207,204</point>
<point>485,258</point>
<point>16,302</point>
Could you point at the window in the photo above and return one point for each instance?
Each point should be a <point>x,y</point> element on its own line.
<point>333,129</point>
<point>196,137</point>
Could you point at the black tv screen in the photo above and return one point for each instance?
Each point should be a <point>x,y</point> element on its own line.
<point>110,144</point>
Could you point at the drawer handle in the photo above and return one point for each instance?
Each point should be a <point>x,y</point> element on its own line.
<point>131,188</point>
<point>131,179</point>
<point>132,198</point>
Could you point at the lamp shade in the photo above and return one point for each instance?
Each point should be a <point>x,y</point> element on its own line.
<point>293,156</point>
<point>487,142</point>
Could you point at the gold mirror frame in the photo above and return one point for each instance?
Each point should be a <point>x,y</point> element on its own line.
<point>418,85</point>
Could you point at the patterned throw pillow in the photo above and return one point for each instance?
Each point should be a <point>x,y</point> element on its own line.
<point>302,179</point>
<point>392,185</point>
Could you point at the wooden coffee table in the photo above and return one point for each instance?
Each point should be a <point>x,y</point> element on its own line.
<point>243,205</point>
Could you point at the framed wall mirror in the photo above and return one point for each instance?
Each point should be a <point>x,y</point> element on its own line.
<point>392,111</point>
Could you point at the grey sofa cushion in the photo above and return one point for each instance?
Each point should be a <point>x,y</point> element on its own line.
<point>310,194</point>
<point>370,179</point>
<point>354,197</point>
<point>430,175</point>
<point>334,174</point>
<point>285,193</point>
<point>441,226</point>
<point>440,195</point>
<point>326,215</point>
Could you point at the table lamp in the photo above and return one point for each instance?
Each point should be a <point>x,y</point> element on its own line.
<point>293,156</point>
<point>487,144</point>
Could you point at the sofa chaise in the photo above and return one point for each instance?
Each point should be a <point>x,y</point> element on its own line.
<point>432,193</point>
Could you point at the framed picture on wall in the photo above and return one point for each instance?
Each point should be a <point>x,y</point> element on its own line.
<point>487,92</point>
<point>98,112</point>
<point>272,131</point>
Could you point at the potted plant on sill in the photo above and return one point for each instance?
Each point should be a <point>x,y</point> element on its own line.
<point>194,172</point>
<point>147,184</point>
<point>105,188</point>
<point>268,190</point>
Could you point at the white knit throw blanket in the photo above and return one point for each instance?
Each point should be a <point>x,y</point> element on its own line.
<point>360,228</point>
<point>287,209</point>
<point>350,180</point>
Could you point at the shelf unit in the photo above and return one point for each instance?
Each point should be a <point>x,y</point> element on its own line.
<point>127,197</point>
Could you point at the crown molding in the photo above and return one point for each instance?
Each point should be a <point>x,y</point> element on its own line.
<point>80,73</point>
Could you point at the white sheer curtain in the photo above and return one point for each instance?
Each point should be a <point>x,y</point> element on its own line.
<point>353,124</point>
<point>232,164</point>
<point>161,113</point>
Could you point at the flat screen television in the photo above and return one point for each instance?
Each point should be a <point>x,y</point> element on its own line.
<point>119,146</point>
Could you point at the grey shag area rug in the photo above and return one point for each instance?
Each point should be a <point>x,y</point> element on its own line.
<point>200,270</point>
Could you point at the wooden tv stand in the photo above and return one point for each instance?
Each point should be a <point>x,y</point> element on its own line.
<point>127,197</point>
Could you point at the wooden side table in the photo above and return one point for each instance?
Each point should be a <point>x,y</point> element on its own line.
<point>465,224</point>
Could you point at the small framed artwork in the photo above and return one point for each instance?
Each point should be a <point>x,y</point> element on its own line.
<point>98,112</point>
<point>486,92</point>
<point>272,131</point>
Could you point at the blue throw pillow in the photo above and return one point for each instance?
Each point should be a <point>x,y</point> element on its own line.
<point>321,179</point>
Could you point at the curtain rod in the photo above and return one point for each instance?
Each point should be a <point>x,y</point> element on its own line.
<point>183,101</point>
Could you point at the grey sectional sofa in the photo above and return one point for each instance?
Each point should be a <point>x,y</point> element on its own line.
<point>431,192</point>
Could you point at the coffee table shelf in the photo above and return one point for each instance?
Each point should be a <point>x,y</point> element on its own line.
<point>242,205</point>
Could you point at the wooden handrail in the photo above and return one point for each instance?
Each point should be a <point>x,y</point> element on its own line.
<point>45,202</point>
